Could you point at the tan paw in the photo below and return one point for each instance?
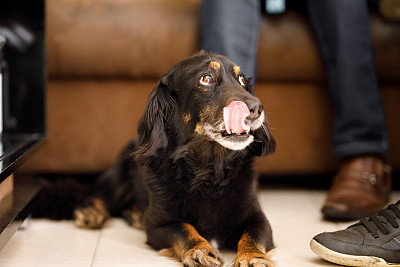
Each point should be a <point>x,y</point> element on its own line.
<point>252,259</point>
<point>93,216</point>
<point>203,255</point>
<point>134,217</point>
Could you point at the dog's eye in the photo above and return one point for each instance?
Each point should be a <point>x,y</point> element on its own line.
<point>242,80</point>
<point>206,79</point>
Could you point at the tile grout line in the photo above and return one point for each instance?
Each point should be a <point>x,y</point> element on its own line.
<point>96,247</point>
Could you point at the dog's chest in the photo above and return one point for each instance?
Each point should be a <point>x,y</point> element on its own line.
<point>212,216</point>
<point>215,208</point>
<point>210,199</point>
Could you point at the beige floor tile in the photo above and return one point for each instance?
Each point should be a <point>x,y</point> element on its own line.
<point>394,196</point>
<point>294,215</point>
<point>122,245</point>
<point>50,243</point>
<point>295,218</point>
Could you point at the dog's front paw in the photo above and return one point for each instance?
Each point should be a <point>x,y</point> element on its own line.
<point>92,216</point>
<point>203,255</point>
<point>252,259</point>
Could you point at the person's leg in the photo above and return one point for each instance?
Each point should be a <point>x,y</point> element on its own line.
<point>231,28</point>
<point>343,32</point>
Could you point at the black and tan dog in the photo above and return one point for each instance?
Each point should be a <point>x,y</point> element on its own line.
<point>190,173</point>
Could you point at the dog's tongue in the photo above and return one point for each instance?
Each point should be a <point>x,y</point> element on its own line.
<point>234,116</point>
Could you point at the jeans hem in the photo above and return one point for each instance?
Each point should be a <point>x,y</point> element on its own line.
<point>361,148</point>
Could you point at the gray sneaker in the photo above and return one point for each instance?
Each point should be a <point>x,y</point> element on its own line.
<point>374,241</point>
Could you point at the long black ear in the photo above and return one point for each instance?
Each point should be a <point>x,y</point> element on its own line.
<point>152,126</point>
<point>264,143</point>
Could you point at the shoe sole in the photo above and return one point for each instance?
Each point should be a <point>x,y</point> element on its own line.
<point>348,260</point>
<point>332,214</point>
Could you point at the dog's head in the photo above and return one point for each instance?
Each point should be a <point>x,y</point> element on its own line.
<point>204,96</point>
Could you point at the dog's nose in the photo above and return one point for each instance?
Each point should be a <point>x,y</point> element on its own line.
<point>256,109</point>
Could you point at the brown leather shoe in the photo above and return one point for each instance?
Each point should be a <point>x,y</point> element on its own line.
<point>359,189</point>
<point>390,9</point>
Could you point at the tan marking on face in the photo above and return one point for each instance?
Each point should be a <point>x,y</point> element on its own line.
<point>236,70</point>
<point>199,128</point>
<point>186,117</point>
<point>206,114</point>
<point>215,65</point>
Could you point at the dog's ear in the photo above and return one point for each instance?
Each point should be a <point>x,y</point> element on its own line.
<point>152,126</point>
<point>264,143</point>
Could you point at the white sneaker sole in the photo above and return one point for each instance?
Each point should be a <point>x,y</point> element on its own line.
<point>346,259</point>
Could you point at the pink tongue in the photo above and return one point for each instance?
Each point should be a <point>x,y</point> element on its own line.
<point>234,115</point>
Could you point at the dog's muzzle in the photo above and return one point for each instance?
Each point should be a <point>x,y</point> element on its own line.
<point>236,130</point>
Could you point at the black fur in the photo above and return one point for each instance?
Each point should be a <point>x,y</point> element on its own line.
<point>176,175</point>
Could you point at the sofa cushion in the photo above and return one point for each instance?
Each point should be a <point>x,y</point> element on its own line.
<point>90,121</point>
<point>144,38</point>
<point>109,38</point>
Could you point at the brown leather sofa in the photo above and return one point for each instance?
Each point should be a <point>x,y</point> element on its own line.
<point>104,57</point>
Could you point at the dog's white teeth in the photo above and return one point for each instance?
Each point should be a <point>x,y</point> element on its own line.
<point>245,133</point>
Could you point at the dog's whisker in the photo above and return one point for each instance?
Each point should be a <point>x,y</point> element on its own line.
<point>265,130</point>
<point>218,124</point>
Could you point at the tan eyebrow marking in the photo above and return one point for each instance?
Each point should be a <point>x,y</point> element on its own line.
<point>236,70</point>
<point>215,65</point>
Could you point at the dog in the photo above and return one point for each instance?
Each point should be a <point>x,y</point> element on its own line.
<point>188,179</point>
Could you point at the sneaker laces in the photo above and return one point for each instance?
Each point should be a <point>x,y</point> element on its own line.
<point>374,223</point>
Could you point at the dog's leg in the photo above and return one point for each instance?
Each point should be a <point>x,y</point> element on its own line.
<point>94,211</point>
<point>255,246</point>
<point>194,250</point>
<point>188,246</point>
<point>91,216</point>
<point>112,192</point>
<point>134,217</point>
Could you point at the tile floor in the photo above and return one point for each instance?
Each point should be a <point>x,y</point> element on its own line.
<point>293,213</point>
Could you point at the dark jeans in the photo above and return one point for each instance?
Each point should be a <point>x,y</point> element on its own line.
<point>342,28</point>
